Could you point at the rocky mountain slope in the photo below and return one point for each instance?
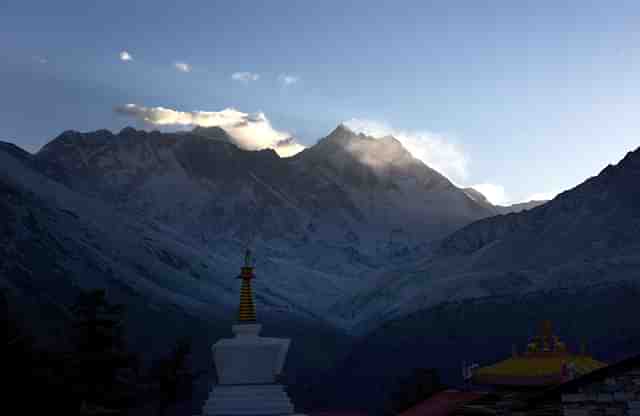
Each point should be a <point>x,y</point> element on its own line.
<point>585,236</point>
<point>350,190</point>
<point>323,223</point>
<point>347,233</point>
<point>55,242</point>
<point>502,209</point>
<point>574,260</point>
<point>391,190</point>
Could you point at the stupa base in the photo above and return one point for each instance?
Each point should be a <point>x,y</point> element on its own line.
<point>248,400</point>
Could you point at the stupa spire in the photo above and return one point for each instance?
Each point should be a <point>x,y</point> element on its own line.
<point>247,309</point>
<point>248,365</point>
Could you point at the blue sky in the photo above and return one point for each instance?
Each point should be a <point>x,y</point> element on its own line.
<point>530,97</point>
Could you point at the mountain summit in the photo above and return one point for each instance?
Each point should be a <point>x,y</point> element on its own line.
<point>390,187</point>
<point>323,223</point>
<point>343,143</point>
<point>348,188</point>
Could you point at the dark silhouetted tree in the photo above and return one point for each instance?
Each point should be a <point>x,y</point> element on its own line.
<point>103,373</point>
<point>34,377</point>
<point>173,377</point>
<point>419,386</point>
<point>16,352</point>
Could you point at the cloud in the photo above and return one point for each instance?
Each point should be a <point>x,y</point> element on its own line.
<point>288,79</point>
<point>182,66</point>
<point>125,56</point>
<point>40,59</point>
<point>249,131</point>
<point>496,194</point>
<point>435,150</point>
<point>245,77</point>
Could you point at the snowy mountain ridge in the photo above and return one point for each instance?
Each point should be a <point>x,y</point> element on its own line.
<point>586,236</point>
<point>326,224</point>
<point>172,212</point>
<point>353,230</point>
<point>349,190</point>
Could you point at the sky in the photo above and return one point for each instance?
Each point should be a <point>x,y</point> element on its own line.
<point>521,99</point>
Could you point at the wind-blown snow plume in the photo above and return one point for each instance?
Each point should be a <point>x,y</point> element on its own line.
<point>249,131</point>
<point>496,194</point>
<point>435,150</point>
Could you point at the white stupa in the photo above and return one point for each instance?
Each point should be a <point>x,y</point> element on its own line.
<point>248,365</point>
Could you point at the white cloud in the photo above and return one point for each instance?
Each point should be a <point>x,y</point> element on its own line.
<point>435,150</point>
<point>125,56</point>
<point>288,79</point>
<point>249,131</point>
<point>245,77</point>
<point>496,194</point>
<point>182,66</point>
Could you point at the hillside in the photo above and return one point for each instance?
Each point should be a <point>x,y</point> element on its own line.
<point>587,235</point>
<point>573,260</point>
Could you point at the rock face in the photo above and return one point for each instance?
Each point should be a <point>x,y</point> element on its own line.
<point>330,224</point>
<point>348,189</point>
<point>390,189</point>
<point>501,209</point>
<point>519,207</point>
<point>598,218</point>
<point>329,218</point>
<point>586,236</point>
<point>323,223</point>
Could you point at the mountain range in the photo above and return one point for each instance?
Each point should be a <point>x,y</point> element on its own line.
<point>353,237</point>
<point>323,223</point>
<point>585,236</point>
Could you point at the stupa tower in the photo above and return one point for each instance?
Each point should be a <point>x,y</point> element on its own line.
<point>248,365</point>
<point>247,309</point>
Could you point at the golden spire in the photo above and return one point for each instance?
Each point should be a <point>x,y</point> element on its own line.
<point>247,310</point>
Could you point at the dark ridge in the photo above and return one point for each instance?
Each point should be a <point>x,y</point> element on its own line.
<point>15,150</point>
<point>130,131</point>
<point>209,131</point>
